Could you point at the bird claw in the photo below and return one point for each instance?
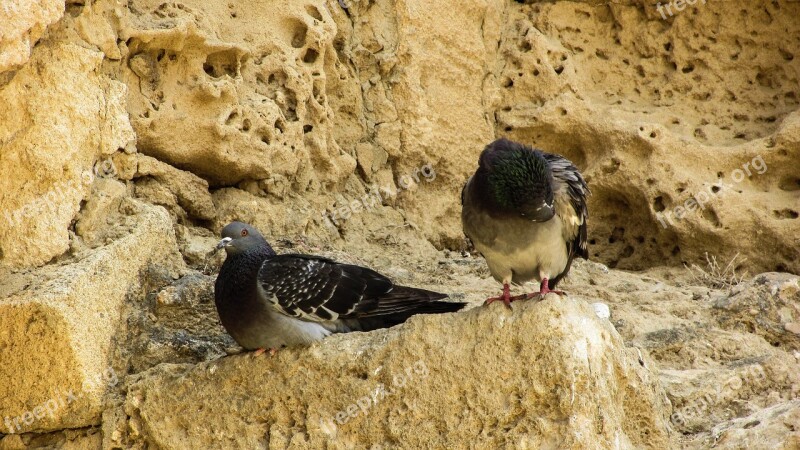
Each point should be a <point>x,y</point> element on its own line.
<point>505,298</point>
<point>506,301</point>
<point>540,295</point>
<point>544,289</point>
<point>260,351</point>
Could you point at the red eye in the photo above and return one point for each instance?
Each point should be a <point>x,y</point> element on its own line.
<point>244,232</point>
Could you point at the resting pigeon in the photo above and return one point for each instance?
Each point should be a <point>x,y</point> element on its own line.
<point>525,212</point>
<point>266,301</point>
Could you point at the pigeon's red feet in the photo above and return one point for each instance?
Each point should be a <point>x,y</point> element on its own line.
<point>260,351</point>
<point>544,289</point>
<point>505,298</point>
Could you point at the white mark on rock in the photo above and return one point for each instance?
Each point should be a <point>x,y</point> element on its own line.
<point>602,310</point>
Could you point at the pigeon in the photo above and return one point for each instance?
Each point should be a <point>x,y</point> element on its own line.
<point>525,211</point>
<point>266,301</point>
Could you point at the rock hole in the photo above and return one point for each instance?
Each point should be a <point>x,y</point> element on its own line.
<point>338,45</point>
<point>221,63</point>
<point>688,69</point>
<point>307,128</point>
<point>668,46</point>
<point>780,268</point>
<point>536,72</point>
<point>640,239</point>
<point>299,36</point>
<point>231,117</point>
<point>246,125</point>
<point>265,139</point>
<point>507,83</point>
<point>785,214</point>
<point>676,251</point>
<point>310,56</point>
<point>559,69</point>
<point>291,111</point>
<point>313,12</point>
<point>74,10</point>
<point>658,204</point>
<point>627,252</point>
<point>279,125</point>
<point>710,215</point>
<point>789,183</point>
<point>616,235</point>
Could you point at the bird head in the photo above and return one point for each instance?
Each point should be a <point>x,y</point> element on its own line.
<point>517,179</point>
<point>238,237</point>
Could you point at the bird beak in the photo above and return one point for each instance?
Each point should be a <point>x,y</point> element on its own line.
<point>226,241</point>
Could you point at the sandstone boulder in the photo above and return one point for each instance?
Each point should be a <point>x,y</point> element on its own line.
<point>543,375</point>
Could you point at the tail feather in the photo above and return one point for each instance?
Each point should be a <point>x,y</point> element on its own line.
<point>396,306</point>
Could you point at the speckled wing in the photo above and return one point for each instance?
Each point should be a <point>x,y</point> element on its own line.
<point>570,193</point>
<point>319,289</point>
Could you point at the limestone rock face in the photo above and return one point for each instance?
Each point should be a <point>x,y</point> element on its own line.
<point>231,102</point>
<point>60,115</point>
<point>546,374</point>
<point>59,325</point>
<point>688,140</point>
<point>22,23</point>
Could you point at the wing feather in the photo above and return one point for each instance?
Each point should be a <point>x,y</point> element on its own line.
<point>319,289</point>
<point>571,192</point>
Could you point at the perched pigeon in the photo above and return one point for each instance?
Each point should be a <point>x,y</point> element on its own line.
<point>525,212</point>
<point>266,301</point>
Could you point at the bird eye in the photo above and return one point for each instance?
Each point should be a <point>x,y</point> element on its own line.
<point>244,232</point>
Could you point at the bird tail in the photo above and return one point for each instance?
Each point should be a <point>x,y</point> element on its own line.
<point>396,306</point>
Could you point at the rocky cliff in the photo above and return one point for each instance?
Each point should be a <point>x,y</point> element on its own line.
<point>132,131</point>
